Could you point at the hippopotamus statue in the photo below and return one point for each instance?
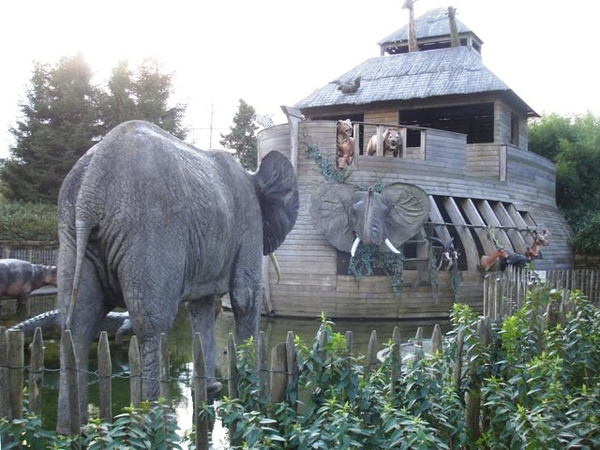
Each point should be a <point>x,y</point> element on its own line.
<point>19,278</point>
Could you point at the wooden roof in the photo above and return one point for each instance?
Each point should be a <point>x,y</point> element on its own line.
<point>410,76</point>
<point>433,72</point>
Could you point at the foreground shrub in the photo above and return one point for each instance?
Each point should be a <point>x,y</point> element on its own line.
<point>151,426</point>
<point>528,382</point>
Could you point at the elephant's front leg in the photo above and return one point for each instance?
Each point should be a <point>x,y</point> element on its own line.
<point>202,317</point>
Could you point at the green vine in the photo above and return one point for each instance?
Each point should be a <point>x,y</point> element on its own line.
<point>432,267</point>
<point>326,166</point>
<point>368,258</point>
<point>455,283</point>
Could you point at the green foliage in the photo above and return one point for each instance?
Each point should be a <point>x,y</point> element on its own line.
<point>587,238</point>
<point>28,222</point>
<point>142,93</point>
<point>546,378</point>
<point>326,166</point>
<point>64,115</point>
<point>151,426</point>
<point>28,433</point>
<point>242,137</point>
<point>368,258</point>
<point>539,385</point>
<point>573,144</point>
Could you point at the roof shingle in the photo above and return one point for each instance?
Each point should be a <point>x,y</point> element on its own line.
<point>407,76</point>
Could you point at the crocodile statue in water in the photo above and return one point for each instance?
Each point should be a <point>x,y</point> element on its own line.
<point>116,324</point>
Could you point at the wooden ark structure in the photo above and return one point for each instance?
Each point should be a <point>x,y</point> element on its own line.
<point>463,141</point>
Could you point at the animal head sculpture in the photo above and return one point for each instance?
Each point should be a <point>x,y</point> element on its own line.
<point>449,257</point>
<point>538,241</point>
<point>347,216</point>
<point>392,143</point>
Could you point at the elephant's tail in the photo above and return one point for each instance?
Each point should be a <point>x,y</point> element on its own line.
<point>82,233</point>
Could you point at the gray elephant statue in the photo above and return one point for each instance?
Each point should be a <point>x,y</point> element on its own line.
<point>387,219</point>
<point>146,222</point>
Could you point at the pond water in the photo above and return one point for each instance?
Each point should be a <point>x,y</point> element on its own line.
<point>180,352</point>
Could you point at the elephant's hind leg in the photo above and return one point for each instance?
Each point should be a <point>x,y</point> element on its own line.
<point>202,317</point>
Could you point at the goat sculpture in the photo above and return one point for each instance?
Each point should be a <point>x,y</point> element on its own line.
<point>449,258</point>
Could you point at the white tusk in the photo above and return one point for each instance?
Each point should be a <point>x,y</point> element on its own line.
<point>391,247</point>
<point>354,246</point>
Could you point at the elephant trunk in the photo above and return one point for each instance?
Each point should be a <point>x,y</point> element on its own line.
<point>374,230</point>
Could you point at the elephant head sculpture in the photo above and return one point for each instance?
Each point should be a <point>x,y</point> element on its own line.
<point>147,221</point>
<point>347,216</point>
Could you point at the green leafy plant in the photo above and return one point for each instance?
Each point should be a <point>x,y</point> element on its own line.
<point>20,221</point>
<point>537,383</point>
<point>326,166</point>
<point>151,426</point>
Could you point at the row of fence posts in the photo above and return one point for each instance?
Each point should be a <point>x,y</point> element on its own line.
<point>275,381</point>
<point>13,369</point>
<point>504,293</point>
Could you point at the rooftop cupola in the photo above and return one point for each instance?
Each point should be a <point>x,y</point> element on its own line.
<point>432,30</point>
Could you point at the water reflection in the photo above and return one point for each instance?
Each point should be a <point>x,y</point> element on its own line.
<point>180,352</point>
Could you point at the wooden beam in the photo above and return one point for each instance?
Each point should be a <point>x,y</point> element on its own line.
<point>479,225</point>
<point>505,219</point>
<point>489,216</point>
<point>435,215</point>
<point>469,246</point>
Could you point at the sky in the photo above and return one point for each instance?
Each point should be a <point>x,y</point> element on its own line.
<point>274,52</point>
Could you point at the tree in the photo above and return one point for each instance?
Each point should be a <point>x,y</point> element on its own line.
<point>573,144</point>
<point>545,134</point>
<point>141,94</point>
<point>242,137</point>
<point>65,114</point>
<point>59,123</point>
<point>118,103</point>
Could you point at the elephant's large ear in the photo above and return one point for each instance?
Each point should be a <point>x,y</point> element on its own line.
<point>410,211</point>
<point>329,211</point>
<point>277,191</point>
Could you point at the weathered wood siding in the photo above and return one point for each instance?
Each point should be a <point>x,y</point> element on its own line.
<point>486,161</point>
<point>503,126</point>
<point>278,138</point>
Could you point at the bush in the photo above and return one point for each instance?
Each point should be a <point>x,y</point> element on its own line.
<point>587,238</point>
<point>151,426</point>
<point>21,221</point>
<point>531,383</point>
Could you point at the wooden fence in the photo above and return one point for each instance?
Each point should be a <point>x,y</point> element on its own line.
<point>275,380</point>
<point>36,252</point>
<point>276,374</point>
<point>504,292</point>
